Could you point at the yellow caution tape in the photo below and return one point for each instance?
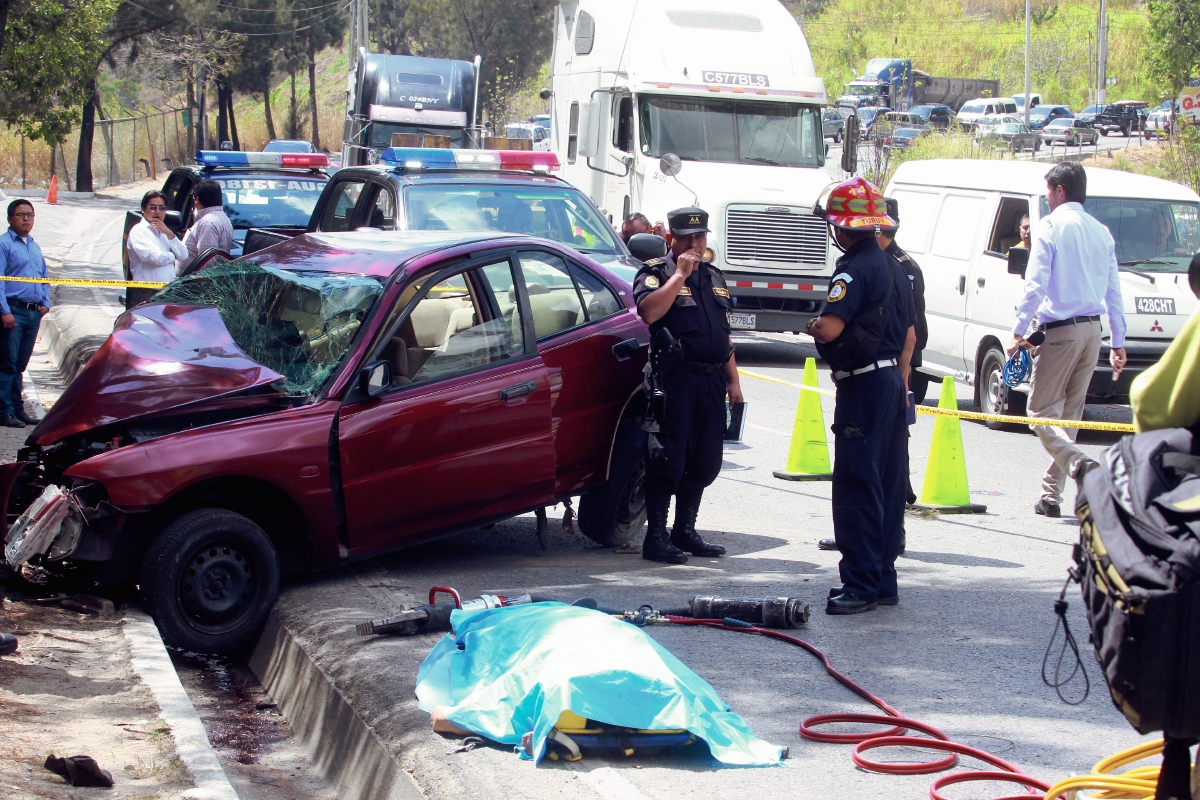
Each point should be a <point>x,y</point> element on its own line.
<point>86,282</point>
<point>1121,427</point>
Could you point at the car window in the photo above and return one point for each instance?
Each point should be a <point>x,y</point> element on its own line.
<point>178,183</point>
<point>451,330</point>
<point>1006,228</point>
<point>257,200</point>
<point>599,299</point>
<point>554,301</point>
<point>382,213</point>
<point>339,211</point>
<point>919,209</point>
<point>956,225</point>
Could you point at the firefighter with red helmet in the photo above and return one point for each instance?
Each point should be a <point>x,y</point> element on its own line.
<point>866,334</point>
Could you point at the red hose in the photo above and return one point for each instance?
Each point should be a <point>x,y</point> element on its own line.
<point>893,736</point>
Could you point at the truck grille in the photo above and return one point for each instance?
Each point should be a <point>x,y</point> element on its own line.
<point>754,235</point>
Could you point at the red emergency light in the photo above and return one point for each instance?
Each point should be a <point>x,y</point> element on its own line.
<point>304,160</point>
<point>528,160</point>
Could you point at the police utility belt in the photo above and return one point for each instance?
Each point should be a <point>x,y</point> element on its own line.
<point>881,364</point>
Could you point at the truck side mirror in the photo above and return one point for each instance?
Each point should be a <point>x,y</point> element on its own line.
<point>670,165</point>
<point>645,246</point>
<point>1018,260</point>
<point>590,120</point>
<point>850,145</point>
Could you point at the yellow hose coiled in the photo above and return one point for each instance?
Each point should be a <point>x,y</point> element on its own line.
<point>1136,784</point>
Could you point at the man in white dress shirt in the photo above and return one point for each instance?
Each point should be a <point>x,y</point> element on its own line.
<point>154,249</point>
<point>1072,278</point>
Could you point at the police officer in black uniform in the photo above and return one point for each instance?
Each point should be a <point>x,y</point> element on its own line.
<point>865,332</point>
<point>688,297</point>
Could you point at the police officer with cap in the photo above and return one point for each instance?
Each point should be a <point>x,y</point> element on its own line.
<point>866,334</point>
<point>686,296</point>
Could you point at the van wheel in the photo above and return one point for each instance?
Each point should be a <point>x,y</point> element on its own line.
<point>614,512</point>
<point>994,397</point>
<point>209,580</point>
<point>918,384</point>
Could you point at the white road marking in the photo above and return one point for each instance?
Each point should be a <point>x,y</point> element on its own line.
<point>611,785</point>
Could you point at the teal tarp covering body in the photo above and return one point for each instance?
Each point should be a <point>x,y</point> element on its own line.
<point>505,672</point>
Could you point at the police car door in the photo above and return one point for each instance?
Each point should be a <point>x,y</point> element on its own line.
<point>951,248</point>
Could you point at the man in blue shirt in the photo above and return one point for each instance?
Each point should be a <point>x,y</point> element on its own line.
<point>22,306</point>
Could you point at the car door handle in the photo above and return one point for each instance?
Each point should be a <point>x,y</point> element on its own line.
<point>962,284</point>
<point>981,282</point>
<point>520,390</point>
<point>623,350</point>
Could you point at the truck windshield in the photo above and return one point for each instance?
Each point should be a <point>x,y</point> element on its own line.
<point>1151,235</point>
<point>551,212</point>
<point>381,135</point>
<point>732,131</point>
<point>258,202</point>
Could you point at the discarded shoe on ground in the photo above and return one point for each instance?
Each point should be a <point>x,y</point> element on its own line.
<point>79,771</point>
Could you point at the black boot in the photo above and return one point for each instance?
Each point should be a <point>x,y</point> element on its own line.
<point>657,546</point>
<point>684,535</point>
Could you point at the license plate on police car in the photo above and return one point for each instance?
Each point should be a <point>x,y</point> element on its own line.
<point>743,322</point>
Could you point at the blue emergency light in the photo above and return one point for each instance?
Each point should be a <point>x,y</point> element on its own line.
<point>237,158</point>
<point>418,158</point>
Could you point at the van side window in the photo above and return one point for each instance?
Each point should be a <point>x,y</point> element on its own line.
<point>1006,227</point>
<point>917,209</point>
<point>585,33</point>
<point>956,226</point>
<point>573,134</point>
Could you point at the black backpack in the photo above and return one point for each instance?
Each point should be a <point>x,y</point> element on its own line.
<point>1139,567</point>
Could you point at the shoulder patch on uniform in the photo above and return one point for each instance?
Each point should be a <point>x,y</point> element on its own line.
<point>655,262</point>
<point>685,291</point>
<point>844,276</point>
<point>838,289</point>
<point>720,292</point>
<point>652,282</point>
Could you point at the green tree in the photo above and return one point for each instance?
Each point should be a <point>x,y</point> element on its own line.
<point>1174,42</point>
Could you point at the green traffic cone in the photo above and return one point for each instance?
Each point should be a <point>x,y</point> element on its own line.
<point>945,486</point>
<point>808,454</point>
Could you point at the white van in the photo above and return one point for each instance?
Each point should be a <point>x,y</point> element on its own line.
<point>959,218</point>
<point>984,107</point>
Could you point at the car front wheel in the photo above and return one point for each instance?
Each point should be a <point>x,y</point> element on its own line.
<point>613,512</point>
<point>994,396</point>
<point>209,580</point>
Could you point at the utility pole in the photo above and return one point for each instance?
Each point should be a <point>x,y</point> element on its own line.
<point>1102,56</point>
<point>1091,71</point>
<point>1028,10</point>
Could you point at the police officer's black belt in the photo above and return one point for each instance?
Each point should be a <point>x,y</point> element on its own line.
<point>1058,323</point>
<point>880,364</point>
<point>700,367</point>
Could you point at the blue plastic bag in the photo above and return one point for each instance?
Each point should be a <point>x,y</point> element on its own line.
<point>508,671</point>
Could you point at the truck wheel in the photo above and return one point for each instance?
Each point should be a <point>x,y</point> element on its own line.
<point>993,392</point>
<point>613,513</point>
<point>918,384</point>
<point>209,580</point>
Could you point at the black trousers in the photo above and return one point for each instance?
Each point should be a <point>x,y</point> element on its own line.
<point>869,480</point>
<point>692,436</point>
<point>135,297</point>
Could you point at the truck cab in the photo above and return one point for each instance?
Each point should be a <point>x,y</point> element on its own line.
<point>732,93</point>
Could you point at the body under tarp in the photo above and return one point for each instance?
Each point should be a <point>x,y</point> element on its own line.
<point>509,671</point>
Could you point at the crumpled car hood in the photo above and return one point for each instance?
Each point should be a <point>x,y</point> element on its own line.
<point>158,357</point>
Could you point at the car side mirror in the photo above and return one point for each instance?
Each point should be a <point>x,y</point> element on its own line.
<point>1018,260</point>
<point>850,145</point>
<point>374,378</point>
<point>645,246</point>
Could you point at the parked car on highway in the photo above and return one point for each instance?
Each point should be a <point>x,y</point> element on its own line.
<point>1089,114</point>
<point>984,107</point>
<point>1072,132</point>
<point>903,119</point>
<point>288,146</point>
<point>869,115</point>
<point>1040,116</point>
<point>1016,135</point>
<point>934,115</point>
<point>902,138</point>
<point>985,125</point>
<point>1126,117</point>
<point>1158,123</point>
<point>335,396</point>
<point>833,123</point>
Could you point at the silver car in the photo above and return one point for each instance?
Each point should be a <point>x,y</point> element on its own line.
<point>1071,132</point>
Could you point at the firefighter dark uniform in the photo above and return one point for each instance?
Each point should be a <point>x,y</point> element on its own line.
<point>869,421</point>
<point>692,428</point>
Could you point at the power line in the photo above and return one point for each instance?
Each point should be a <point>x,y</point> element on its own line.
<point>277,10</point>
<point>284,30</point>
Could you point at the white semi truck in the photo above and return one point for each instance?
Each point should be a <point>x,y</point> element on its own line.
<point>728,87</point>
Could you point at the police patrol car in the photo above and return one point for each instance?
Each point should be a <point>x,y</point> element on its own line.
<point>261,190</point>
<point>432,189</point>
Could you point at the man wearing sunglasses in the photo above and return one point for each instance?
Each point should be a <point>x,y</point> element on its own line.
<point>22,306</point>
<point>153,249</point>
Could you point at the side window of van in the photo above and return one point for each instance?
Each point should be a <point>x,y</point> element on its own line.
<point>917,209</point>
<point>956,226</point>
<point>1006,228</point>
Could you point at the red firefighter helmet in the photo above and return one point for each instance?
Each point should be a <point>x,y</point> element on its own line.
<point>855,205</point>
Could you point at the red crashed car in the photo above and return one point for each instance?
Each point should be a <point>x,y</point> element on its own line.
<point>334,396</point>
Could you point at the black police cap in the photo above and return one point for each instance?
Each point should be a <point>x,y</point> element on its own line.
<point>689,220</point>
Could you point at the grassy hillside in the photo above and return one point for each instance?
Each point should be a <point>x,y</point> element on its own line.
<point>984,39</point>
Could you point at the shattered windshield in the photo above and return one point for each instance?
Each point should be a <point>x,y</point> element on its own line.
<point>298,324</point>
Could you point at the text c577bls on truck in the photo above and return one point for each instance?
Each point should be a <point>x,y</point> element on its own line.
<point>731,90</point>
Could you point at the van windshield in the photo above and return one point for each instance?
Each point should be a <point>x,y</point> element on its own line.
<point>732,131</point>
<point>1151,235</point>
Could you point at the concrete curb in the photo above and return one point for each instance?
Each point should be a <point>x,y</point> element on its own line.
<point>68,341</point>
<point>41,193</point>
<point>345,750</point>
<point>153,665</point>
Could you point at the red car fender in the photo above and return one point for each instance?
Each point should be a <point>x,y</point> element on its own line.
<point>288,449</point>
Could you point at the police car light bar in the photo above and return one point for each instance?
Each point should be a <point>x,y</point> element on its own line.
<point>235,158</point>
<point>415,158</point>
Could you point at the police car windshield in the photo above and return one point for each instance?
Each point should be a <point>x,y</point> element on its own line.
<point>732,131</point>
<point>381,136</point>
<point>255,202</point>
<point>1157,235</point>
<point>551,212</point>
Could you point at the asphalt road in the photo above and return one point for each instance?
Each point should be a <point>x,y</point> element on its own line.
<point>962,651</point>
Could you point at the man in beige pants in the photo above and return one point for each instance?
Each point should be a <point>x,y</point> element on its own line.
<point>1072,278</point>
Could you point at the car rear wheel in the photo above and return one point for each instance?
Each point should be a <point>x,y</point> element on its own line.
<point>994,396</point>
<point>613,512</point>
<point>209,580</point>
